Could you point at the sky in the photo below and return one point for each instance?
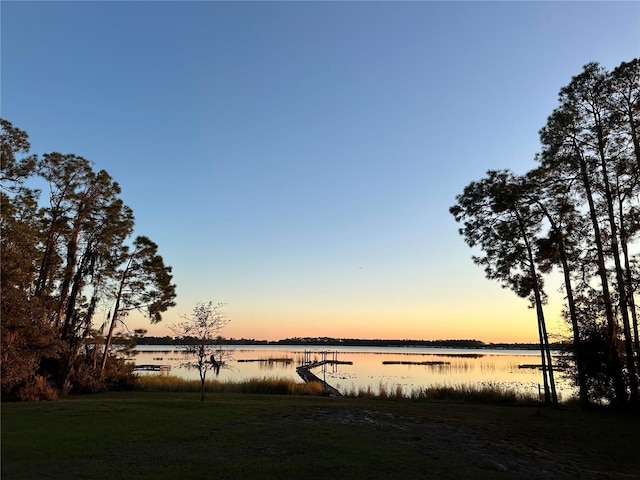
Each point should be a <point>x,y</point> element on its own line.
<point>297,160</point>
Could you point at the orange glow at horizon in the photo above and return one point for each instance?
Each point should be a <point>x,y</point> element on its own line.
<point>504,325</point>
<point>485,312</point>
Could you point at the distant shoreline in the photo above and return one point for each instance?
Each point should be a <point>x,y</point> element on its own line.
<point>354,342</point>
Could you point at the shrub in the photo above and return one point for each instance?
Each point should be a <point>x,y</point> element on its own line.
<point>36,389</point>
<point>118,375</point>
<point>85,379</point>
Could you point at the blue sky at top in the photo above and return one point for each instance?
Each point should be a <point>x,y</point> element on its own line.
<point>297,159</point>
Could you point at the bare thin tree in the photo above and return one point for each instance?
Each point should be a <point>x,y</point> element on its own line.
<point>201,340</point>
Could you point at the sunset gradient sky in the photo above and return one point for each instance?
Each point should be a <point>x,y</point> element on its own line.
<point>297,160</point>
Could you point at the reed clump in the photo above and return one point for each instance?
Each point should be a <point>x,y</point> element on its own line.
<point>275,386</point>
<point>485,393</point>
<point>489,393</point>
<point>265,385</point>
<point>383,392</point>
<point>167,383</point>
<point>362,392</point>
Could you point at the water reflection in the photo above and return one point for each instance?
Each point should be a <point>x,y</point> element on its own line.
<point>375,367</point>
<point>270,363</point>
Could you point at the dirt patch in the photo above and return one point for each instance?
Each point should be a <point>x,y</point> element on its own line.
<point>438,440</point>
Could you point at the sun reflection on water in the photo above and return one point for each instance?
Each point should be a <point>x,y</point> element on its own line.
<point>376,368</point>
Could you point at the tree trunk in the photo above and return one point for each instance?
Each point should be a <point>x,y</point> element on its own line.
<point>613,360</point>
<point>114,317</point>
<point>76,288</point>
<point>543,363</point>
<point>68,274</point>
<point>202,364</point>
<point>619,274</point>
<point>566,271</point>
<point>582,377</point>
<point>632,345</point>
<point>46,264</point>
<point>547,349</point>
<point>542,328</point>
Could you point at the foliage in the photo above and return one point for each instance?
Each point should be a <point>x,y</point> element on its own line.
<point>578,212</point>
<point>118,374</point>
<point>499,219</point>
<point>14,141</point>
<point>144,285</point>
<point>37,388</point>
<point>62,258</point>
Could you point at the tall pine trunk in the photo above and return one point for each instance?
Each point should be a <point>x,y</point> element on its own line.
<point>545,351</point>
<point>575,327</point>
<point>619,274</point>
<point>632,344</point>
<point>114,317</point>
<point>614,366</point>
<point>559,237</point>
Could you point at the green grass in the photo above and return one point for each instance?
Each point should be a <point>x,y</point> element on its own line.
<point>159,435</point>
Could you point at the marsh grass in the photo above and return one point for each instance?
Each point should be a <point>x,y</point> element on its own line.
<point>265,385</point>
<point>487,393</point>
<point>484,393</point>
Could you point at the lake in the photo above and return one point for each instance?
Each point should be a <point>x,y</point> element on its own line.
<point>412,368</point>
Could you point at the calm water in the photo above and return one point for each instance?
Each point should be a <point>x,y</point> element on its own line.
<point>373,367</point>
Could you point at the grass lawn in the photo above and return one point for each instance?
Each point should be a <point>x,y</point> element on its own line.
<point>142,435</point>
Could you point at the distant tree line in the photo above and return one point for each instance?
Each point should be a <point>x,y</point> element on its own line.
<point>578,212</point>
<point>191,340</point>
<point>67,254</point>
<point>356,342</point>
<point>333,342</point>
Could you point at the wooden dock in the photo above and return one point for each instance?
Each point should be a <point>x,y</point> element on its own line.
<point>304,370</point>
<point>153,368</point>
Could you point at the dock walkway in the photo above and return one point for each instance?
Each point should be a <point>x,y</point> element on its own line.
<point>305,371</point>
<point>153,368</point>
